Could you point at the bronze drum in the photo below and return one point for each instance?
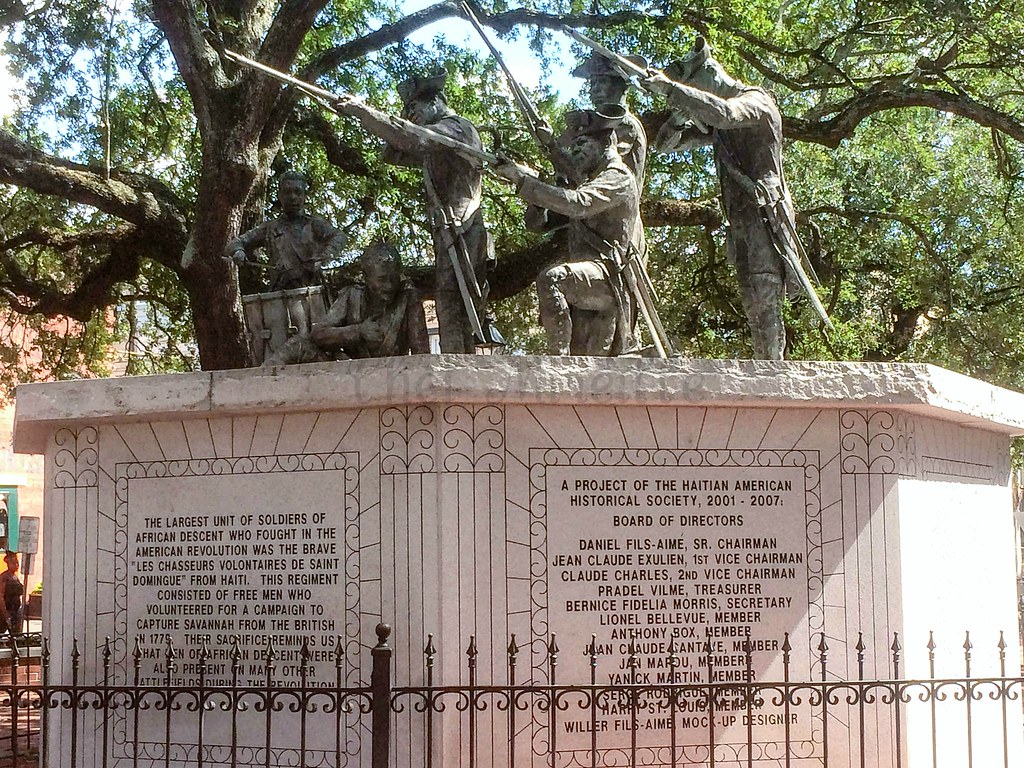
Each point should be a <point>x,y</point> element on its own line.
<point>273,318</point>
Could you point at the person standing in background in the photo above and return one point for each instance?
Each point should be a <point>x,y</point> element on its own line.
<point>13,592</point>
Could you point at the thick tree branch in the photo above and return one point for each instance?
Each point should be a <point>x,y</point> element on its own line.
<point>11,12</point>
<point>706,214</point>
<point>197,60</point>
<point>51,238</point>
<point>136,198</point>
<point>388,34</point>
<point>832,131</point>
<point>292,22</point>
<point>254,18</point>
<point>95,289</point>
<point>280,46</point>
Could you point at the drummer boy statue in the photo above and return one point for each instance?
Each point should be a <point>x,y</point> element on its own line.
<point>296,242</point>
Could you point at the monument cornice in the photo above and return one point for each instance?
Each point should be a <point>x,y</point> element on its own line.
<point>512,379</point>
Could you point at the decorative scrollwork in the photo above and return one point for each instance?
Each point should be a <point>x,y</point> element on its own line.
<point>868,442</point>
<point>475,437</point>
<point>853,702</point>
<point>407,440</point>
<point>75,458</point>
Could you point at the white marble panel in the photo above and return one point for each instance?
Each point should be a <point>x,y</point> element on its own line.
<point>441,491</point>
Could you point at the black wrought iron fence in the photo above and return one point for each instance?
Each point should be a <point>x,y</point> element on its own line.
<point>20,667</point>
<point>962,721</point>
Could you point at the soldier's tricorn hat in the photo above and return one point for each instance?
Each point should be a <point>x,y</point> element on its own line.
<point>685,68</point>
<point>422,86</point>
<point>583,122</point>
<point>597,65</point>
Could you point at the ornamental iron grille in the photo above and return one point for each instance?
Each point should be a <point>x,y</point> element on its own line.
<point>50,717</point>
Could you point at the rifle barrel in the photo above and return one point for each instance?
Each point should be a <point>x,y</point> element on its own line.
<point>331,100</point>
<point>608,53</point>
<point>533,117</point>
<point>309,88</point>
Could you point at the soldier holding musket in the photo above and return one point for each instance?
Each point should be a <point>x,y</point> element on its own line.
<point>744,126</point>
<point>453,185</point>
<point>586,303</point>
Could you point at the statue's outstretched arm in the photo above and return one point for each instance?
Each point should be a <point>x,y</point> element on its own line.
<point>605,191</point>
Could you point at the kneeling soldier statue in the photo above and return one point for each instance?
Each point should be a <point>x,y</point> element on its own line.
<point>586,303</point>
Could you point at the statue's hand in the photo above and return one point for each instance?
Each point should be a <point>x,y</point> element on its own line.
<point>239,257</point>
<point>658,83</point>
<point>514,172</point>
<point>344,103</point>
<point>546,134</point>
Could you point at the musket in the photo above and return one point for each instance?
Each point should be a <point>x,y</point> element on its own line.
<point>331,100</point>
<point>458,255</point>
<point>630,66</point>
<point>639,283</point>
<point>795,261</point>
<point>780,234</point>
<point>533,119</point>
<point>534,122</point>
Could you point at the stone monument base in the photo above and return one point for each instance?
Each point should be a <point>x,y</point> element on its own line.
<point>678,505</point>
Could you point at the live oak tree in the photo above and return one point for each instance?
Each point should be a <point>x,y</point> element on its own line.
<point>139,149</point>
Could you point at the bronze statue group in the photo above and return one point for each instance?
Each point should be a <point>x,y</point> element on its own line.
<point>591,299</point>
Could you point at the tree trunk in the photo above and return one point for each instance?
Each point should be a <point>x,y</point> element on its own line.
<point>216,313</point>
<point>232,167</point>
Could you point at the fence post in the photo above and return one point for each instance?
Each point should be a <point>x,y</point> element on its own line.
<point>380,693</point>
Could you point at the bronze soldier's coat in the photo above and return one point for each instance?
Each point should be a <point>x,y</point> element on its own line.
<point>746,134</point>
<point>604,228</point>
<point>454,188</point>
<point>295,247</point>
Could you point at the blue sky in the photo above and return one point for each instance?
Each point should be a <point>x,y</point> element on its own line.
<point>518,56</point>
<point>525,67</point>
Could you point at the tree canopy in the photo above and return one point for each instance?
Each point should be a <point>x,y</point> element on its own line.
<point>139,149</point>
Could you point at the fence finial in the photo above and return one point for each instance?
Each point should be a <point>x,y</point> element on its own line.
<point>339,653</point>
<point>931,654</point>
<point>823,656</point>
<point>860,647</point>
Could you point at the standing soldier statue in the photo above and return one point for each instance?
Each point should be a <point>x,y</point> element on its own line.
<point>744,127</point>
<point>586,303</point>
<point>296,243</point>
<point>453,184</point>
<point>608,83</point>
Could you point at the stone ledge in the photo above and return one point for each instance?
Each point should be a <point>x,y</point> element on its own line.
<point>925,389</point>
